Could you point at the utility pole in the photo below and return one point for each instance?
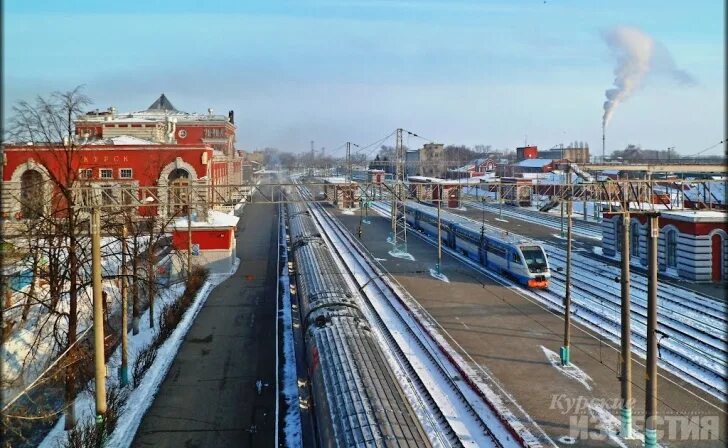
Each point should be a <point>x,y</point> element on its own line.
<point>626,344</point>
<point>500,200</point>
<point>98,324</point>
<point>348,161</point>
<point>124,368</point>
<point>150,274</point>
<point>651,372</point>
<point>565,350</point>
<point>399,223</point>
<point>439,231</point>
<point>312,158</point>
<point>189,235</point>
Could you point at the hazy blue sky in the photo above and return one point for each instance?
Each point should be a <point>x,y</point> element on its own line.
<point>465,72</point>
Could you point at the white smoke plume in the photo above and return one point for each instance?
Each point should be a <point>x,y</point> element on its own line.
<point>637,54</point>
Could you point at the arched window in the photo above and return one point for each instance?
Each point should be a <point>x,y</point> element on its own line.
<point>635,239</point>
<point>31,194</point>
<point>178,181</point>
<point>671,243</point>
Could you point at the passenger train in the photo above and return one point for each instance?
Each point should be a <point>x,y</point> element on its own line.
<point>521,259</point>
<point>357,400</point>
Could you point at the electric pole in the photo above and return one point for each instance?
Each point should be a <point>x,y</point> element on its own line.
<point>98,324</point>
<point>123,368</point>
<point>651,368</point>
<point>565,350</point>
<point>398,217</point>
<point>439,231</point>
<point>626,344</point>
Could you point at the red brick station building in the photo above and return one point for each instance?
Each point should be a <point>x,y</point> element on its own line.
<point>158,146</point>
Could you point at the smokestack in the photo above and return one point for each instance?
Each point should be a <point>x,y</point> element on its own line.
<point>603,145</point>
<point>231,117</point>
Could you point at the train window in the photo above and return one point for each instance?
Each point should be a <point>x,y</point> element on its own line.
<point>515,258</point>
<point>535,258</point>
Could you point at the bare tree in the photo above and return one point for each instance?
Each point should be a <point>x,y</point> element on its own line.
<point>48,123</point>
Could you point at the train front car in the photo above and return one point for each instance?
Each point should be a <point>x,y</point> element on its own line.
<point>537,265</point>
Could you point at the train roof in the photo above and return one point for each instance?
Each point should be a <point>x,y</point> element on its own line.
<point>366,404</point>
<point>472,225</point>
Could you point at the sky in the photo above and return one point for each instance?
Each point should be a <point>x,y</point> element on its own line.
<point>500,73</point>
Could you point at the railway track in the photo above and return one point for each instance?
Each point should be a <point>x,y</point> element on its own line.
<point>471,420</point>
<point>695,349</point>
<point>586,229</point>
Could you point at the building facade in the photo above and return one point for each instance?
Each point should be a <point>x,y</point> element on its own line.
<point>432,160</point>
<point>692,245</point>
<point>106,167</point>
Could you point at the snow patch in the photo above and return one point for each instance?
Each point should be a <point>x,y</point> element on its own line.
<point>571,371</point>
<point>439,275</point>
<point>401,254</point>
<point>610,425</point>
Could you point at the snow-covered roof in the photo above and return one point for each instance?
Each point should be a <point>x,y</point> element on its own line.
<point>713,191</point>
<point>696,215</point>
<point>122,140</point>
<point>433,180</point>
<point>534,163</point>
<point>214,219</point>
<point>335,180</point>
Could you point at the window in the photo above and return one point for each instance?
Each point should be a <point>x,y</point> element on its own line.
<point>125,173</point>
<point>85,173</point>
<point>515,258</point>
<point>535,258</point>
<point>672,248</point>
<point>106,173</point>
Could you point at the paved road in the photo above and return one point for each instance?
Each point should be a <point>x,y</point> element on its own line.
<point>209,398</point>
<point>504,332</point>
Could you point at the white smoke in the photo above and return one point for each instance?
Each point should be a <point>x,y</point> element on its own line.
<point>637,54</point>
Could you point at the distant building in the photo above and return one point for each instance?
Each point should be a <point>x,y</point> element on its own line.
<point>161,123</point>
<point>531,166</point>
<point>526,152</point>
<point>432,160</point>
<point>476,168</point>
<point>572,154</point>
<point>692,245</point>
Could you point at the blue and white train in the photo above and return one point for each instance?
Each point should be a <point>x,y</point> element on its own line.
<point>521,259</point>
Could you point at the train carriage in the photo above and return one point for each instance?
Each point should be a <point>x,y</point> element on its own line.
<point>522,259</point>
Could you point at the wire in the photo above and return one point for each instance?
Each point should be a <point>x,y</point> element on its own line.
<point>704,150</point>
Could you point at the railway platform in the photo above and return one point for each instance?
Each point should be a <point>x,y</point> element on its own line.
<point>517,339</point>
<point>220,389</point>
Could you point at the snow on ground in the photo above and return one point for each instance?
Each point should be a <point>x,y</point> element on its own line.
<point>439,275</point>
<point>292,419</point>
<point>142,397</point>
<point>401,254</point>
<point>571,371</point>
<point>28,353</point>
<point>610,425</point>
